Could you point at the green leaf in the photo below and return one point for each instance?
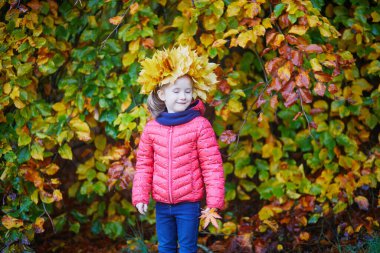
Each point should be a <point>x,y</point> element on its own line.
<point>65,152</point>
<point>278,9</point>
<point>75,227</point>
<point>23,155</point>
<point>24,139</point>
<point>24,69</point>
<point>100,188</point>
<point>59,222</point>
<point>113,229</point>
<point>37,152</point>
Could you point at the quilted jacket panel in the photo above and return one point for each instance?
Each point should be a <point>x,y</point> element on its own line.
<point>177,163</point>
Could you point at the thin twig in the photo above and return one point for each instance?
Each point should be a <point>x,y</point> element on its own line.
<point>262,65</point>
<point>253,103</point>
<point>77,2</point>
<point>304,114</point>
<point>51,221</point>
<point>245,120</point>
<point>204,248</point>
<point>117,26</point>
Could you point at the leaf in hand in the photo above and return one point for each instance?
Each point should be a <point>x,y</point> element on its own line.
<point>210,216</point>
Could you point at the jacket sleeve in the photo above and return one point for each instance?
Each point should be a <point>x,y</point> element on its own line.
<point>211,164</point>
<point>142,181</point>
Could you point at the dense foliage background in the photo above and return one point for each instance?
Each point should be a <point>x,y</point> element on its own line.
<point>296,110</point>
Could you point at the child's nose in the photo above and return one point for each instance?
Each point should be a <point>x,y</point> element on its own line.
<point>182,95</point>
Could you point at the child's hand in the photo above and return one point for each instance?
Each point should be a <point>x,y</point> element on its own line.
<point>142,208</point>
<point>210,215</point>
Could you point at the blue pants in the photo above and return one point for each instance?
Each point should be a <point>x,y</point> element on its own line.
<point>177,222</point>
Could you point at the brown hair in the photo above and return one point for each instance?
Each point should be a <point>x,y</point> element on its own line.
<point>155,104</point>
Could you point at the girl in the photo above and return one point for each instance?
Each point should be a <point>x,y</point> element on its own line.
<point>178,156</point>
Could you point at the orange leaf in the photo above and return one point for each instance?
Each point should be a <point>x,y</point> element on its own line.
<point>272,66</point>
<point>304,236</point>
<point>322,77</point>
<point>332,88</point>
<point>293,40</point>
<point>320,88</point>
<point>302,79</point>
<point>270,36</point>
<point>134,8</point>
<point>287,89</point>
<point>10,222</point>
<point>312,48</point>
<point>296,58</point>
<point>116,20</point>
<point>38,225</point>
<point>285,71</point>
<point>297,116</point>
<point>291,99</point>
<point>274,102</point>
<point>148,43</point>
<point>305,95</point>
<point>274,85</point>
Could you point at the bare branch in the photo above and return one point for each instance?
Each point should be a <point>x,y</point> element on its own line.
<point>51,221</point>
<point>117,26</point>
<point>304,114</point>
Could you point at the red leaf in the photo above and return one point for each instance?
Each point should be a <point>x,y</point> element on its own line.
<point>306,95</point>
<point>302,79</point>
<point>287,89</point>
<point>270,36</point>
<point>228,137</point>
<point>284,21</point>
<point>316,111</point>
<point>291,99</point>
<point>285,51</point>
<point>302,21</point>
<point>293,40</point>
<point>322,77</point>
<point>274,85</point>
<point>313,125</point>
<point>296,58</point>
<point>272,66</point>
<point>260,101</point>
<point>215,103</point>
<point>224,86</point>
<point>320,89</point>
<point>265,51</point>
<point>332,88</point>
<point>312,48</point>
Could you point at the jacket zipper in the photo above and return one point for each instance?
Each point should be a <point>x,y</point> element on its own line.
<point>170,164</point>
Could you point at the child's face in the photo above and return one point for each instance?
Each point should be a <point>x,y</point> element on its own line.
<point>177,96</point>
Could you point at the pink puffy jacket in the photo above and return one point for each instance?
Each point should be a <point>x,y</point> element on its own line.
<point>176,163</point>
